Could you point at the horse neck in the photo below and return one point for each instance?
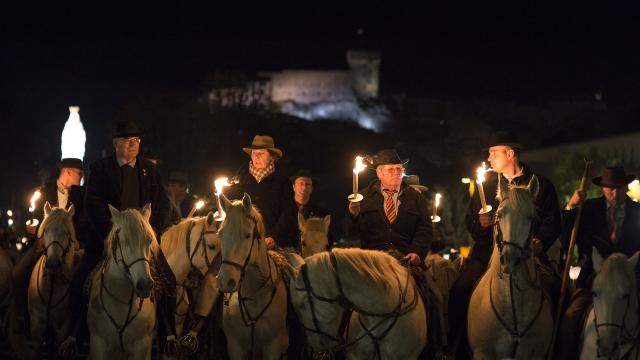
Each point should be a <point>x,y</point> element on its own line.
<point>359,291</point>
<point>258,271</point>
<point>179,261</point>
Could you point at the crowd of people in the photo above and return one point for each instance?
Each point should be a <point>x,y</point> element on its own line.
<point>393,216</point>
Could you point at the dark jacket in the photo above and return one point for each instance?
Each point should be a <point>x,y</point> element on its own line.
<point>104,186</point>
<point>76,197</point>
<point>594,231</point>
<point>288,233</point>
<point>546,226</point>
<point>269,196</point>
<point>411,232</point>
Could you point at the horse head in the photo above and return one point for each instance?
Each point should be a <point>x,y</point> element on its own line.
<point>59,237</point>
<point>514,217</point>
<point>614,300</point>
<point>313,234</point>
<point>316,299</point>
<point>132,241</point>
<point>241,234</point>
<point>206,245</point>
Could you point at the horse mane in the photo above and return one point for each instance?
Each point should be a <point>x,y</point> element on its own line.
<point>254,214</point>
<point>174,235</point>
<point>370,266</point>
<point>59,216</point>
<point>131,219</point>
<point>521,200</point>
<point>314,224</point>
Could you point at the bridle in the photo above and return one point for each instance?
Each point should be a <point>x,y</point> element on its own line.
<point>625,337</point>
<point>115,246</point>
<point>349,306</point>
<point>200,244</point>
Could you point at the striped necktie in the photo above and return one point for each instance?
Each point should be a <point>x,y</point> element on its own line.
<point>390,206</point>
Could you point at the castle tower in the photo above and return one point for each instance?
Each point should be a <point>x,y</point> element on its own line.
<point>365,72</point>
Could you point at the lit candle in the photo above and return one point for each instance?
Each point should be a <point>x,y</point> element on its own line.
<point>32,209</point>
<point>358,167</point>
<point>219,185</point>
<point>436,203</point>
<point>480,179</point>
<point>197,206</point>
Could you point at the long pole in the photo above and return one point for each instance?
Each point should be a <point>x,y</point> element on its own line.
<point>567,263</point>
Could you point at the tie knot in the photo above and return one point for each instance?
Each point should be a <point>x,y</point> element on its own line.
<point>389,192</point>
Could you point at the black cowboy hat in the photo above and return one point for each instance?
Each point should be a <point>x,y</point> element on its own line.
<point>126,128</point>
<point>263,142</point>
<point>504,138</point>
<point>70,163</point>
<point>613,177</point>
<point>388,157</point>
<point>302,173</point>
<point>414,182</point>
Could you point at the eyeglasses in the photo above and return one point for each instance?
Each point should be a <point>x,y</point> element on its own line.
<point>391,170</point>
<point>131,140</point>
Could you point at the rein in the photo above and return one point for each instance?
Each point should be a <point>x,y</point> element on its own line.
<point>248,319</point>
<point>103,288</point>
<point>349,306</point>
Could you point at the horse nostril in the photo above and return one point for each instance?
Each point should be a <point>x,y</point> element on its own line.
<point>231,284</point>
<point>143,286</point>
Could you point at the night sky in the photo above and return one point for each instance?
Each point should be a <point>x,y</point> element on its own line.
<point>100,57</point>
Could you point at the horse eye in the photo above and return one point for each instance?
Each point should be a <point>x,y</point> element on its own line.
<point>594,294</point>
<point>247,236</point>
<point>211,247</point>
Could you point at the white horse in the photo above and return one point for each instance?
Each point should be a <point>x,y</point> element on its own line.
<point>121,318</point>
<point>313,234</point>
<point>388,319</point>
<point>611,328</point>
<point>509,314</point>
<point>443,273</point>
<point>192,245</point>
<point>48,301</point>
<point>254,320</point>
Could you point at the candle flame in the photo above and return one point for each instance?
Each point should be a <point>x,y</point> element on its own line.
<point>360,165</point>
<point>220,183</point>
<point>480,173</point>
<point>438,197</point>
<point>36,195</point>
<point>199,204</point>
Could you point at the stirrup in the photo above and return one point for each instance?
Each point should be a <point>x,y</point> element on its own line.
<point>171,348</point>
<point>68,348</point>
<point>189,343</point>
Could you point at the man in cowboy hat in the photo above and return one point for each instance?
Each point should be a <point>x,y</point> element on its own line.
<point>267,184</point>
<point>610,223</point>
<point>62,193</point>
<point>125,180</point>
<point>288,232</point>
<point>178,189</point>
<point>392,215</point>
<point>504,156</point>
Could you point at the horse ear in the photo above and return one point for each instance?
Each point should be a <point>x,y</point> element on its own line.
<point>632,263</point>
<point>210,219</point>
<point>47,209</point>
<point>596,259</point>
<point>72,210</point>
<point>246,202</point>
<point>327,222</point>
<point>534,186</point>
<point>225,203</point>
<point>146,211</point>
<point>114,212</point>
<point>301,221</point>
<point>294,259</point>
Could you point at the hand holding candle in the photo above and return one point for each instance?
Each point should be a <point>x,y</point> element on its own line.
<point>358,167</point>
<point>435,218</point>
<point>480,179</point>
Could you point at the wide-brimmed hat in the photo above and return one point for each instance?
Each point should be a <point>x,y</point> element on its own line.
<point>179,177</point>
<point>613,177</point>
<point>70,163</point>
<point>263,142</point>
<point>388,157</point>
<point>303,173</point>
<point>414,182</point>
<point>504,138</point>
<point>126,128</point>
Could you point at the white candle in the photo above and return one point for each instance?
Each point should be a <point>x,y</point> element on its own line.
<point>358,167</point>
<point>435,206</point>
<point>480,179</point>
